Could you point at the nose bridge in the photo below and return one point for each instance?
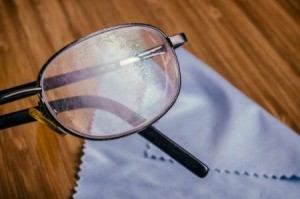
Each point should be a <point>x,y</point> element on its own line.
<point>177,40</point>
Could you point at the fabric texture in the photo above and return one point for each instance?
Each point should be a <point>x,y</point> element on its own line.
<point>249,152</point>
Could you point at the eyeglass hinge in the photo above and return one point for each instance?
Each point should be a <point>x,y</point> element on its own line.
<point>177,40</point>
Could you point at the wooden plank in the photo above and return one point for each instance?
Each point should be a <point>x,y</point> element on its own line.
<point>254,44</point>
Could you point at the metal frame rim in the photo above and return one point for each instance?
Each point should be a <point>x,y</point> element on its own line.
<point>50,113</point>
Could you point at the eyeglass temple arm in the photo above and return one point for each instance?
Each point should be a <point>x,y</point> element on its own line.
<point>151,134</point>
<point>19,92</point>
<point>31,88</point>
<point>175,151</point>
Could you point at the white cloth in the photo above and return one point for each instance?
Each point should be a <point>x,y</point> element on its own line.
<point>250,153</point>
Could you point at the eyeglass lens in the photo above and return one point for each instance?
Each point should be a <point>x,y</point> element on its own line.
<point>112,83</point>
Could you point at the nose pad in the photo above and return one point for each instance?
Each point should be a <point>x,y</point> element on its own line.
<point>39,116</point>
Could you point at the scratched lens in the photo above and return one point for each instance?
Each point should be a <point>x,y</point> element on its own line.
<point>112,83</point>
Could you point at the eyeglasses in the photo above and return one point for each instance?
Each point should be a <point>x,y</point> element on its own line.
<point>107,85</point>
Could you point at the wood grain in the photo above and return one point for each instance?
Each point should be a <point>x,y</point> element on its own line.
<point>255,45</point>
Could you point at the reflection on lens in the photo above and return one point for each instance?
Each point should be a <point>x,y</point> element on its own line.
<point>112,83</point>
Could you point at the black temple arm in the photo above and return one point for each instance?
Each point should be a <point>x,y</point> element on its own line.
<point>151,134</point>
<point>18,92</point>
<point>175,151</point>
<point>15,119</point>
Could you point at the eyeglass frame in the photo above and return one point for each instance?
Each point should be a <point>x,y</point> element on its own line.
<point>149,132</point>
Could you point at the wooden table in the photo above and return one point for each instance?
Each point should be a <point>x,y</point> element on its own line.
<point>254,44</point>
